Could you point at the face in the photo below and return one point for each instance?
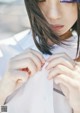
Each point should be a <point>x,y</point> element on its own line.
<point>60,15</point>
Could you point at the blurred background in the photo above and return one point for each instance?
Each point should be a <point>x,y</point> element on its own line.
<point>13,18</point>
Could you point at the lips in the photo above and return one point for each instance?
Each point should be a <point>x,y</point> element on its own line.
<point>57,27</point>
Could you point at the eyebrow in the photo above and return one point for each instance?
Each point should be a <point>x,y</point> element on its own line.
<point>69,1</point>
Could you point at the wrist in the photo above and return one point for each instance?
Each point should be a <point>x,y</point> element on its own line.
<point>2,99</point>
<point>3,96</point>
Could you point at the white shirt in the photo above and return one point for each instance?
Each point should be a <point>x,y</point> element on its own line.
<point>38,95</point>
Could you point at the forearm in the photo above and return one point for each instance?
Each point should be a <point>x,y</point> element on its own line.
<point>2,103</point>
<point>2,100</point>
<point>3,107</point>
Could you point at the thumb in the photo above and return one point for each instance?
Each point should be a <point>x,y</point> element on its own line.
<point>20,78</point>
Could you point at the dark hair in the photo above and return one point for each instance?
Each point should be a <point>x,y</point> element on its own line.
<point>41,28</point>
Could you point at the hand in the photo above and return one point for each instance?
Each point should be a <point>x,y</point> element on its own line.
<point>66,73</point>
<point>20,68</point>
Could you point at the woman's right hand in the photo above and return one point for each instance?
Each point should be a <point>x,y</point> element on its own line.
<point>20,68</point>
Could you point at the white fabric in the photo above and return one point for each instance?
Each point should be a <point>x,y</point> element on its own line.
<point>37,94</point>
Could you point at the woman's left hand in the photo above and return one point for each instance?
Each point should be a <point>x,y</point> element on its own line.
<point>66,73</point>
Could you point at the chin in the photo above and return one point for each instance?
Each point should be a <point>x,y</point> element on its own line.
<point>61,33</point>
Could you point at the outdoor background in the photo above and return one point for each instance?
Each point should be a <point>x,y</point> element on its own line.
<point>13,18</point>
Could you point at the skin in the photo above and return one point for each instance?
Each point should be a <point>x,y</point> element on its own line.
<point>56,12</point>
<point>64,70</point>
<point>18,71</point>
<point>66,73</point>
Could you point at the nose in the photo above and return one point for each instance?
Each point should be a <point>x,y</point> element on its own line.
<point>53,12</point>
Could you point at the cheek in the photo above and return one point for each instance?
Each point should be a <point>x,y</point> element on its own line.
<point>73,16</point>
<point>43,10</point>
<point>42,6</point>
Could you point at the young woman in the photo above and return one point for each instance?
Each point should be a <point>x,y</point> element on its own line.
<point>52,49</point>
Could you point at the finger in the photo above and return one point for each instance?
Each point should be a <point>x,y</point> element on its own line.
<point>29,53</point>
<point>57,55</point>
<point>35,59</point>
<point>19,75</point>
<point>26,63</point>
<point>19,78</point>
<point>60,69</point>
<point>63,55</point>
<point>21,55</point>
<point>77,68</point>
<point>66,81</point>
<point>39,55</point>
<point>53,73</point>
<point>60,61</point>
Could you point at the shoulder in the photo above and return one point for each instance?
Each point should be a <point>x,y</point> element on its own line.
<point>16,38</point>
<point>17,43</point>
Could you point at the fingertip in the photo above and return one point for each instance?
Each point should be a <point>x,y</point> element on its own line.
<point>42,64</point>
<point>47,68</point>
<point>72,67</point>
<point>49,77</point>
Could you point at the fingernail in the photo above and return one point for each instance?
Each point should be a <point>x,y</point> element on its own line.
<point>49,78</point>
<point>42,64</point>
<point>47,67</point>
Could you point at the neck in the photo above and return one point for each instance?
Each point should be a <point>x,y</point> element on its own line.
<point>66,35</point>
<point>62,37</point>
